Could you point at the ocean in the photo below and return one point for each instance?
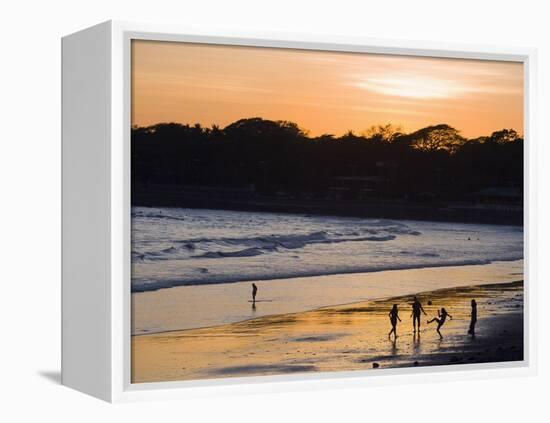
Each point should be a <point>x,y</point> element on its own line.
<point>181,247</point>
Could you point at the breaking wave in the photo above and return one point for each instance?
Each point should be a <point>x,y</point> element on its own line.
<point>174,247</point>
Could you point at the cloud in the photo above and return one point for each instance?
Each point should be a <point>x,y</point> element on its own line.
<point>411,86</point>
<point>421,87</point>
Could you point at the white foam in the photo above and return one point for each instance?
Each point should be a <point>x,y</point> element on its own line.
<point>181,247</point>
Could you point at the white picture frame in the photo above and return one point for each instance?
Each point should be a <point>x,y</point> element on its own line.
<point>96,354</point>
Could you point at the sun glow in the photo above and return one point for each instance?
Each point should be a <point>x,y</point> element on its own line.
<point>412,87</point>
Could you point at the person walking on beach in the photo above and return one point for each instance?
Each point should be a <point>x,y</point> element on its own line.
<point>394,317</point>
<point>254,292</point>
<point>473,319</point>
<point>416,310</point>
<point>441,321</point>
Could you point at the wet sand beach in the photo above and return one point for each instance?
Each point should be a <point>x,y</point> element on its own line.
<point>199,306</point>
<point>341,338</point>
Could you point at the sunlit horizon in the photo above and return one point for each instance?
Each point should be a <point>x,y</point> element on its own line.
<point>323,92</point>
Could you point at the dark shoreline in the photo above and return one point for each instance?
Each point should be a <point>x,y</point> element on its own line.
<point>375,208</point>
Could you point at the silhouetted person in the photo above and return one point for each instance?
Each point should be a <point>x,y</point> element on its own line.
<point>473,319</point>
<point>394,317</point>
<point>441,321</point>
<point>416,310</point>
<point>254,292</point>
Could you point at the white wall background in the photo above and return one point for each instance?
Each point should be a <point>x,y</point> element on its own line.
<point>30,206</point>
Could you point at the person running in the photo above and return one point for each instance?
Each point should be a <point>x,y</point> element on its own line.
<point>394,317</point>
<point>473,319</point>
<point>416,310</point>
<point>254,292</point>
<point>441,321</point>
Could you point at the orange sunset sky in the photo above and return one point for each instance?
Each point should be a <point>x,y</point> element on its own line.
<point>324,92</point>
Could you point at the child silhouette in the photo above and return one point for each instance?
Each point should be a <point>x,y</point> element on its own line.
<point>441,321</point>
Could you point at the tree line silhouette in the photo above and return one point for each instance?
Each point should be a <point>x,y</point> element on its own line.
<point>274,157</point>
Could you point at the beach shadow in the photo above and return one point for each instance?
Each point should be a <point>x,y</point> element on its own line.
<point>394,347</point>
<point>416,343</point>
<point>263,368</point>
<point>53,376</point>
<point>319,338</point>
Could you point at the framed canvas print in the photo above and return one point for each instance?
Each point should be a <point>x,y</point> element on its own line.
<point>265,211</point>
